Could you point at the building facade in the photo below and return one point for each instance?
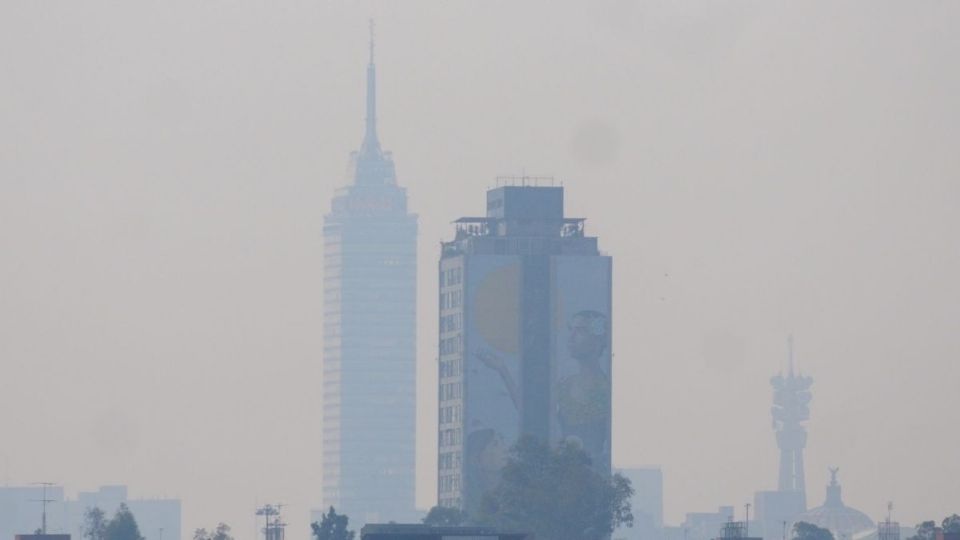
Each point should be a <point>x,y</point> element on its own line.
<point>369,355</point>
<point>524,341</point>
<point>21,511</point>
<point>646,503</point>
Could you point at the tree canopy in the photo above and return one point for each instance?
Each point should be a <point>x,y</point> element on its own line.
<point>332,526</point>
<point>94,524</point>
<point>123,526</point>
<point>951,524</point>
<point>443,516</point>
<point>555,493</point>
<point>808,531</point>
<point>222,532</point>
<point>928,529</point>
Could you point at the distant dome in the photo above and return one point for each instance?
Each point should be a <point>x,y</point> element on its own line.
<point>843,521</point>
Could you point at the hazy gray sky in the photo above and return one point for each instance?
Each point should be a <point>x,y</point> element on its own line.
<point>755,168</point>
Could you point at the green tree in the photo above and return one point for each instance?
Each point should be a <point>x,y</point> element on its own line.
<point>123,526</point>
<point>332,526</point>
<point>808,531</point>
<point>951,524</point>
<point>555,493</point>
<point>94,524</point>
<point>222,532</point>
<point>925,531</point>
<point>444,516</point>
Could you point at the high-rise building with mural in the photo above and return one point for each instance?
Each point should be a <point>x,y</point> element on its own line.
<point>525,300</point>
<point>369,330</point>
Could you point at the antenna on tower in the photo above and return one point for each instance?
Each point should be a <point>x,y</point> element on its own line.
<point>372,40</point>
<point>790,355</point>
<point>43,501</point>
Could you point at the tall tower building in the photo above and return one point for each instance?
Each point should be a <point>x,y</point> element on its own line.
<point>369,330</point>
<point>525,303</point>
<point>791,399</point>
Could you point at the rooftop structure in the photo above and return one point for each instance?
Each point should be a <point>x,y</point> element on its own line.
<point>844,522</point>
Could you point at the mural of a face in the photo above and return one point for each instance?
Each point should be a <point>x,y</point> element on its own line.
<point>588,335</point>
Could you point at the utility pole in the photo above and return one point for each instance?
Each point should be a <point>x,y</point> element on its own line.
<point>746,523</point>
<point>44,501</point>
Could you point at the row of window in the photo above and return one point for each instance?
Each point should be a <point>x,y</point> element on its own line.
<point>451,368</point>
<point>451,276</point>
<point>451,391</point>
<point>451,414</point>
<point>451,437</point>
<point>449,483</point>
<point>450,345</point>
<point>452,299</point>
<point>449,460</point>
<point>450,323</point>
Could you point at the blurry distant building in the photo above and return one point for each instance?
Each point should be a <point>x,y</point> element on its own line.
<point>369,329</point>
<point>705,525</point>
<point>20,511</point>
<point>888,530</point>
<point>525,304</point>
<point>43,537</point>
<point>776,510</point>
<point>158,519</point>
<point>735,530</point>
<point>394,531</point>
<point>791,399</point>
<point>647,503</point>
<point>844,522</point>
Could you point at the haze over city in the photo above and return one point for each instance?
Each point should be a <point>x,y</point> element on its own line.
<point>755,170</point>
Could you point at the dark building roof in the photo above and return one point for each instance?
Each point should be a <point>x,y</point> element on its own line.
<point>403,531</point>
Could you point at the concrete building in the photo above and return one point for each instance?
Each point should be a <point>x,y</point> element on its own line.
<point>20,511</point>
<point>647,503</point>
<point>704,525</point>
<point>775,511</point>
<point>369,330</point>
<point>525,300</point>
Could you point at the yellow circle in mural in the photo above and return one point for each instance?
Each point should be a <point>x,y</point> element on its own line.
<point>496,308</point>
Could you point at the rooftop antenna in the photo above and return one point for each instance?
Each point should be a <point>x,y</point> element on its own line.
<point>746,523</point>
<point>44,502</point>
<point>790,355</point>
<point>372,40</point>
<point>889,511</point>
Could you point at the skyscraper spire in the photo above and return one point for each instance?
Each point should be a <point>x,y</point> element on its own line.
<point>371,144</point>
<point>790,355</point>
